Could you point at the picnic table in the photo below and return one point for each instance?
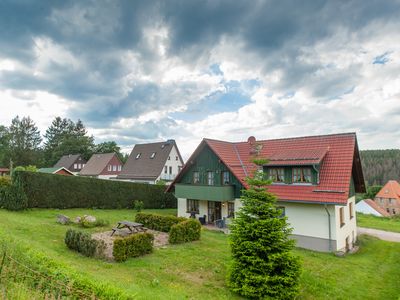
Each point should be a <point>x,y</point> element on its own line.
<point>133,227</point>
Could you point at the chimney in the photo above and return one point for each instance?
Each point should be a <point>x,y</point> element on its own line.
<point>255,148</point>
<point>251,140</point>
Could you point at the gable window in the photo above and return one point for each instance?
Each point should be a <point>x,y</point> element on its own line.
<point>114,168</point>
<point>196,177</point>
<point>165,169</point>
<point>176,158</point>
<point>302,175</point>
<point>75,166</point>
<point>109,168</point>
<point>192,206</point>
<point>138,155</point>
<point>210,177</point>
<point>170,170</point>
<point>79,166</point>
<point>277,174</point>
<point>225,177</point>
<point>169,157</point>
<point>119,168</point>
<point>351,210</point>
<point>231,209</point>
<point>341,214</point>
<point>153,155</point>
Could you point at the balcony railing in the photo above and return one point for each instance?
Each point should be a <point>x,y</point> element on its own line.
<point>205,192</point>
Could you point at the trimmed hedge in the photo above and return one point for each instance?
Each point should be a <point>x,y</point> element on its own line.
<point>83,243</point>
<point>5,183</point>
<point>133,246</point>
<point>186,231</point>
<point>158,222</point>
<point>56,191</point>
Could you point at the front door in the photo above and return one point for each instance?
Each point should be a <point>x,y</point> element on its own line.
<point>214,211</point>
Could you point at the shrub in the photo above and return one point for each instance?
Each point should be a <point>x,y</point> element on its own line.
<point>186,231</point>
<point>5,182</point>
<point>98,223</point>
<point>83,243</point>
<point>133,246</point>
<point>54,191</point>
<point>138,205</point>
<point>13,197</point>
<point>158,222</point>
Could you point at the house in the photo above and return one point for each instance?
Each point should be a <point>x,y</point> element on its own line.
<point>103,166</point>
<point>388,197</point>
<point>59,171</point>
<point>4,171</point>
<point>72,162</point>
<point>369,207</point>
<point>315,179</point>
<point>152,162</point>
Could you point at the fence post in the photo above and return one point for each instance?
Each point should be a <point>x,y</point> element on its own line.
<point>2,263</point>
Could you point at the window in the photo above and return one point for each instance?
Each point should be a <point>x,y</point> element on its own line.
<point>277,174</point>
<point>119,168</point>
<point>169,157</point>
<point>210,178</point>
<point>225,177</point>
<point>75,166</point>
<point>192,206</point>
<point>283,211</point>
<point>390,201</point>
<point>351,209</point>
<point>196,177</point>
<point>109,168</point>
<point>179,168</point>
<point>302,175</point>
<point>114,168</point>
<point>231,209</point>
<point>138,155</point>
<point>83,165</point>
<point>165,169</point>
<point>79,166</point>
<point>388,210</point>
<point>341,214</point>
<point>153,155</point>
<point>394,211</point>
<point>170,170</point>
<point>176,158</point>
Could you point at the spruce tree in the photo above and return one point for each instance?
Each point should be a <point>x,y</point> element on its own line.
<point>263,264</point>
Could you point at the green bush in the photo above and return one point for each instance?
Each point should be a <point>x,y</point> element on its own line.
<point>133,246</point>
<point>158,222</point>
<point>186,231</point>
<point>13,197</point>
<point>138,205</point>
<point>83,243</point>
<point>5,182</point>
<point>54,191</point>
<point>98,223</point>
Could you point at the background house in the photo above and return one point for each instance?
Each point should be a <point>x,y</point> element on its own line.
<point>72,162</point>
<point>103,166</point>
<point>369,207</point>
<point>4,171</point>
<point>315,179</point>
<point>59,171</point>
<point>388,197</point>
<point>153,162</point>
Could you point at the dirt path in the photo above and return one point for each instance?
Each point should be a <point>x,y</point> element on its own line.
<point>381,234</point>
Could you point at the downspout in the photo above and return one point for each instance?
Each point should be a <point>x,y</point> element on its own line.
<point>329,224</point>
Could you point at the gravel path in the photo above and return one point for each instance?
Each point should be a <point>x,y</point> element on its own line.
<point>381,234</point>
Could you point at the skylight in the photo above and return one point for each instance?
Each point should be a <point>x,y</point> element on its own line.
<point>138,155</point>
<point>153,155</point>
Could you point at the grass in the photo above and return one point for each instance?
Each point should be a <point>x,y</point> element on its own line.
<point>382,223</point>
<point>198,270</point>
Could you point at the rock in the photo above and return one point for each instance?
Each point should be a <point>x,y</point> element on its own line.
<point>77,220</point>
<point>89,219</point>
<point>63,219</point>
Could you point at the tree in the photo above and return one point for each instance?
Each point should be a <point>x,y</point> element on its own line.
<point>4,146</point>
<point>24,141</point>
<point>263,265</point>
<point>66,137</point>
<point>109,147</point>
<point>372,191</point>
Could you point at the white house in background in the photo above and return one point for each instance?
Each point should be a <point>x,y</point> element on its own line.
<point>369,207</point>
<point>152,162</point>
<point>315,179</point>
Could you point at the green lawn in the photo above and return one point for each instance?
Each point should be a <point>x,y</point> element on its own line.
<point>197,270</point>
<point>382,223</point>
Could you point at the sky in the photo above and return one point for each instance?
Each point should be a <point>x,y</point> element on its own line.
<point>146,71</point>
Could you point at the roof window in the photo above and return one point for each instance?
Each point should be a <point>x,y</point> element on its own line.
<point>153,155</point>
<point>138,155</point>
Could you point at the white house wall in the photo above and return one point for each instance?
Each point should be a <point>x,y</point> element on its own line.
<point>172,162</point>
<point>365,208</point>
<point>350,227</point>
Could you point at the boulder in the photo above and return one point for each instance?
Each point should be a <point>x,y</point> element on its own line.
<point>89,219</point>
<point>77,220</point>
<point>63,219</point>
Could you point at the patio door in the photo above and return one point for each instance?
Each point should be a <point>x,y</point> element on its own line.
<point>214,211</point>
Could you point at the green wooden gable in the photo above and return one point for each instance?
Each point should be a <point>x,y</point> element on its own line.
<point>207,161</point>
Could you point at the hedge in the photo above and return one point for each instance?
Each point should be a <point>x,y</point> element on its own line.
<point>56,191</point>
<point>133,246</point>
<point>83,243</point>
<point>158,222</point>
<point>5,183</point>
<point>186,231</point>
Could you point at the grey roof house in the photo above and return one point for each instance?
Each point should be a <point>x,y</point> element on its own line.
<point>72,162</point>
<point>152,162</point>
<point>103,166</point>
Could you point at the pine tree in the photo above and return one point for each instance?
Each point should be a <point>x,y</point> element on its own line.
<point>263,264</point>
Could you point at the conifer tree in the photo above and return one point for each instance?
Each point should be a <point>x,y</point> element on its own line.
<point>263,264</point>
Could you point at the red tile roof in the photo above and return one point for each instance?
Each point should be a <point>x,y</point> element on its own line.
<point>390,190</point>
<point>337,155</point>
<point>376,207</point>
